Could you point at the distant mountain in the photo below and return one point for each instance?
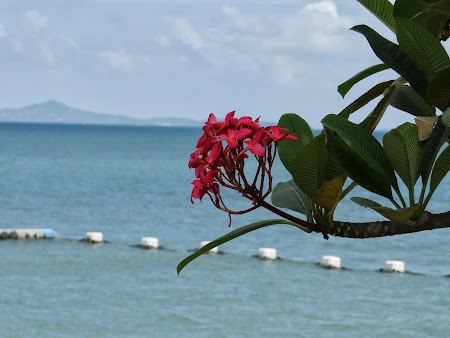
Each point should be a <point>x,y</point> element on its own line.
<point>57,112</point>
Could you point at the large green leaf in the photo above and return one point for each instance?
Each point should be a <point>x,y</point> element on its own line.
<point>405,98</point>
<point>364,99</point>
<point>360,155</point>
<point>355,167</point>
<point>434,17</point>
<point>437,138</point>
<point>422,47</point>
<point>344,87</point>
<point>288,195</point>
<point>409,8</point>
<point>441,7</point>
<point>446,117</point>
<point>392,55</point>
<point>382,9</point>
<point>397,215</point>
<point>440,169</point>
<point>298,127</point>
<point>293,123</point>
<point>309,168</point>
<point>234,234</point>
<point>402,148</point>
<point>438,92</point>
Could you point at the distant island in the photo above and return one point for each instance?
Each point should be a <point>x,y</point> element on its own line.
<point>57,112</point>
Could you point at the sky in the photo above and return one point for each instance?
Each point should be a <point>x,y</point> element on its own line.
<point>186,58</point>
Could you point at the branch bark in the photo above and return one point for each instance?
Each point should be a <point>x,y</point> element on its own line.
<point>428,221</point>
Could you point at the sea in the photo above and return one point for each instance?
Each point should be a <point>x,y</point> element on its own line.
<point>133,182</point>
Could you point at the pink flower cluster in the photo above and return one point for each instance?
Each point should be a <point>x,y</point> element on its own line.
<point>220,154</point>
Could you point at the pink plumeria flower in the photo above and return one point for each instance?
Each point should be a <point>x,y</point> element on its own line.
<point>254,144</point>
<point>278,135</point>
<point>233,136</point>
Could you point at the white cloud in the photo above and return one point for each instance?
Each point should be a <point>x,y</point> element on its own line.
<point>162,40</point>
<point>187,34</point>
<point>69,41</point>
<point>270,42</point>
<point>46,53</point>
<point>248,23</point>
<point>3,32</point>
<point>120,60</point>
<point>316,29</point>
<point>326,6</point>
<point>36,19</point>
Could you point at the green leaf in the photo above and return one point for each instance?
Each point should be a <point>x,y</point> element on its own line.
<point>392,55</point>
<point>297,127</point>
<point>295,123</point>
<point>234,234</point>
<point>402,148</point>
<point>382,9</point>
<point>402,215</point>
<point>364,99</point>
<point>438,7</point>
<point>437,138</point>
<point>405,98</point>
<point>422,47</point>
<point>372,120</point>
<point>360,155</point>
<point>408,8</point>
<point>438,92</point>
<point>441,7</point>
<point>309,167</point>
<point>344,87</point>
<point>446,117</point>
<point>440,169</point>
<point>288,195</point>
<point>434,17</point>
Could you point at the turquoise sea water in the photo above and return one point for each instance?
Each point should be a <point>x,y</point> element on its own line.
<point>132,182</point>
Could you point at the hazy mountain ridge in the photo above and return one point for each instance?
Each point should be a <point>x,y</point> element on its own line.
<point>57,112</point>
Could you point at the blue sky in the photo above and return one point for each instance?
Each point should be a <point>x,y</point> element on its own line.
<point>185,58</point>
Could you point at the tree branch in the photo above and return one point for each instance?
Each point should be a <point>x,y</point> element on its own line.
<point>427,221</point>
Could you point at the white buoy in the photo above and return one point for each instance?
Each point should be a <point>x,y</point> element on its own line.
<point>331,262</point>
<point>394,266</point>
<point>267,253</point>
<point>149,243</point>
<point>213,250</point>
<point>94,237</point>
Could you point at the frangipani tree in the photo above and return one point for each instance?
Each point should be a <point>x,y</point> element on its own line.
<point>326,167</point>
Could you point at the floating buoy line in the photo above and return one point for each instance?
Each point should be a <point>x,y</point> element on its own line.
<point>152,243</point>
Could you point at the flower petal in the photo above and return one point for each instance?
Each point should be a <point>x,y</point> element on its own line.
<point>215,152</point>
<point>257,149</point>
<point>212,118</point>
<point>242,133</point>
